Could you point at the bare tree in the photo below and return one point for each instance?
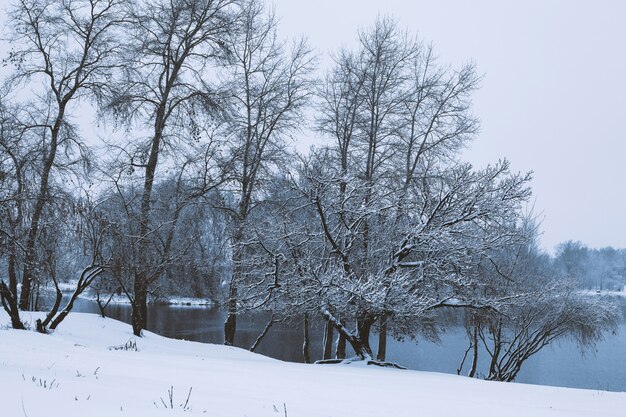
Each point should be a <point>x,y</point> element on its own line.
<point>341,99</point>
<point>390,105</point>
<point>400,243</point>
<point>269,87</point>
<point>15,159</point>
<point>171,45</point>
<point>68,45</point>
<point>542,307</point>
<point>58,224</point>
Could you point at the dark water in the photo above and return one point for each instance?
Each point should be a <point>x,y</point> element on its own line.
<point>560,364</point>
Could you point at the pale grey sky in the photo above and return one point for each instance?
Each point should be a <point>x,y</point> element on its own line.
<point>552,100</point>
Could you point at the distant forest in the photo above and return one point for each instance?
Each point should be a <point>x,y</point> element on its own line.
<point>603,269</point>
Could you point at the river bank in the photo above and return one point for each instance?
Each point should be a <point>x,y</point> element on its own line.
<point>94,366</point>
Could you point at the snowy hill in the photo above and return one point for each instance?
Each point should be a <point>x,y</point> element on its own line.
<point>95,367</point>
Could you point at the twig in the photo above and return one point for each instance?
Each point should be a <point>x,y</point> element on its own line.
<point>188,396</point>
<point>23,408</point>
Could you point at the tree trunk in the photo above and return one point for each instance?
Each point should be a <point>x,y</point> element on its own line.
<point>12,269</point>
<point>9,302</point>
<point>103,306</point>
<point>230,325</point>
<point>328,341</point>
<point>35,302</point>
<point>494,373</point>
<point>340,352</point>
<point>382,339</point>
<point>53,311</point>
<point>472,371</point>
<point>139,313</point>
<point>360,349</point>
<point>9,295</point>
<point>364,327</point>
<point>139,317</point>
<point>58,319</point>
<point>42,196</point>
<point>305,344</point>
<point>86,278</point>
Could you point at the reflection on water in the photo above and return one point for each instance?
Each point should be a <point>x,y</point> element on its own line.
<point>561,364</point>
<point>206,324</point>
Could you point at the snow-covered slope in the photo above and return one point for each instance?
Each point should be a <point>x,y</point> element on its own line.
<point>78,372</point>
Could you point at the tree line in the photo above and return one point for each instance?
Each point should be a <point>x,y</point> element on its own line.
<point>600,269</point>
<point>194,185</point>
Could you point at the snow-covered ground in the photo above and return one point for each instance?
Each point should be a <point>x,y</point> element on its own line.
<point>89,367</point>
<point>177,301</point>
<point>604,293</point>
<point>70,286</point>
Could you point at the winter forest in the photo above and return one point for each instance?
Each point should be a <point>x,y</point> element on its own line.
<point>157,150</point>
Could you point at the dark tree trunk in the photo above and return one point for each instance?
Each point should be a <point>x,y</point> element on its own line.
<point>35,302</point>
<point>328,341</point>
<point>12,266</point>
<point>102,306</point>
<point>305,344</point>
<point>139,314</point>
<point>340,353</point>
<point>42,197</point>
<point>68,308</point>
<point>88,275</point>
<point>494,374</point>
<point>139,318</point>
<point>472,371</point>
<point>364,327</point>
<point>230,325</point>
<point>9,295</point>
<point>382,339</point>
<point>41,326</point>
<point>9,302</point>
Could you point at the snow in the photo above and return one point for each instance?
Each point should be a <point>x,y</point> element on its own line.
<point>603,293</point>
<point>70,286</point>
<point>76,372</point>
<point>174,301</point>
<point>189,301</point>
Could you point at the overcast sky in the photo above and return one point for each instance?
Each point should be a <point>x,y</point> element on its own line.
<point>552,100</point>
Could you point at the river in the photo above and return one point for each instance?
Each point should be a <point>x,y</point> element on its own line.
<point>560,364</point>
